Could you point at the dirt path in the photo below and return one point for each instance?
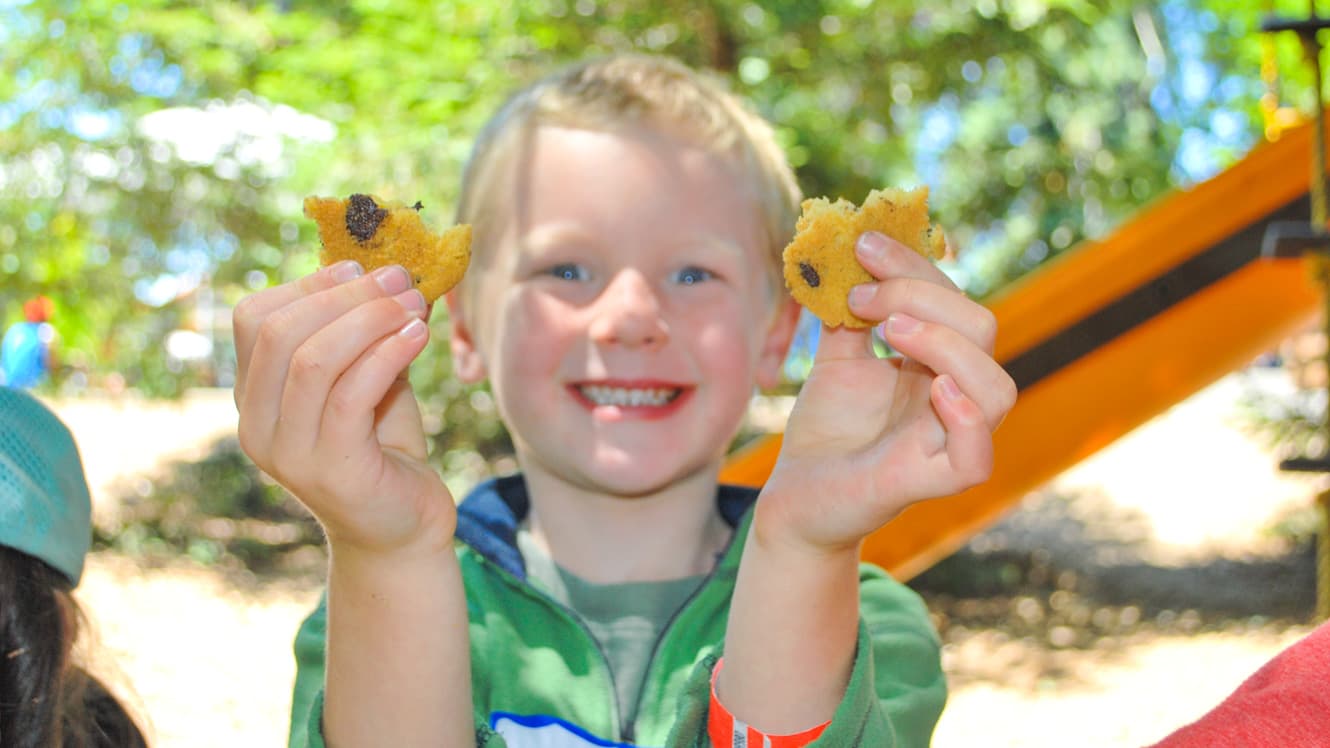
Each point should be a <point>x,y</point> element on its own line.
<point>1108,702</point>
<point>206,665</point>
<point>210,664</point>
<point>122,438</point>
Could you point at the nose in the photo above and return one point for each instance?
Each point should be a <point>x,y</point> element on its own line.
<point>628,313</point>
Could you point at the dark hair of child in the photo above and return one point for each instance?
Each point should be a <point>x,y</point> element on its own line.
<point>46,699</point>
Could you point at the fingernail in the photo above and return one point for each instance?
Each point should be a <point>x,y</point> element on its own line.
<point>392,279</point>
<point>902,324</point>
<point>861,294</point>
<point>411,300</point>
<point>346,270</point>
<point>872,245</point>
<point>413,329</point>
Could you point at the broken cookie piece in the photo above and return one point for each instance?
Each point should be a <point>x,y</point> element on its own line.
<point>820,265</point>
<point>376,233</point>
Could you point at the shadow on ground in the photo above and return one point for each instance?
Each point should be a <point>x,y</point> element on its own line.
<point>219,511</point>
<point>1065,576</point>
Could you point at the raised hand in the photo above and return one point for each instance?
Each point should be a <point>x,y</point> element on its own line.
<point>869,436</point>
<point>327,411</point>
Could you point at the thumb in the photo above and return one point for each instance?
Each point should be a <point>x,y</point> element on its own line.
<point>841,343</point>
<point>399,423</point>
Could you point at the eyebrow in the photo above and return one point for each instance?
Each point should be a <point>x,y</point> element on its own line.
<point>713,241</point>
<point>550,235</point>
<point>554,235</point>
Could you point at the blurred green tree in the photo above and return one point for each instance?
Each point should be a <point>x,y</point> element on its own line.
<point>153,154</point>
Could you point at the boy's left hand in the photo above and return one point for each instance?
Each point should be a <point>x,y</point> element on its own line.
<point>870,436</point>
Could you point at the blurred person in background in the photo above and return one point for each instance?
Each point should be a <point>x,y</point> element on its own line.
<point>27,353</point>
<point>47,698</point>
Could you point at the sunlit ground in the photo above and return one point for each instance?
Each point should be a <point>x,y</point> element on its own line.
<point>208,663</point>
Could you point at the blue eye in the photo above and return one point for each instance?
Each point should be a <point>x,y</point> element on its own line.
<point>691,276</point>
<point>569,272</point>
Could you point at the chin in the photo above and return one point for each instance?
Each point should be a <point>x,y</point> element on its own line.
<point>628,486</point>
<point>632,482</point>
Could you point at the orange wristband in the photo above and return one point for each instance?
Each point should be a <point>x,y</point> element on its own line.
<point>727,732</point>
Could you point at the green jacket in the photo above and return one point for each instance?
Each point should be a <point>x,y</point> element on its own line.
<point>536,669</point>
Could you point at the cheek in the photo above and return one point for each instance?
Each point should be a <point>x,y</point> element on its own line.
<point>536,331</point>
<point>727,341</point>
<point>730,369</point>
<point>732,327</point>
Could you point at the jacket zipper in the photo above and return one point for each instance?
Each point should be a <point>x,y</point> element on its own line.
<point>626,731</point>
<point>630,729</point>
<point>616,712</point>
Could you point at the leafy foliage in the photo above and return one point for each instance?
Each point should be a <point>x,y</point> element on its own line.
<point>153,155</point>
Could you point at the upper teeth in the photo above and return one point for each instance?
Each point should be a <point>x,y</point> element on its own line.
<point>623,396</point>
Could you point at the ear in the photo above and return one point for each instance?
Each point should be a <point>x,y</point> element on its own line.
<point>468,364</point>
<point>776,343</point>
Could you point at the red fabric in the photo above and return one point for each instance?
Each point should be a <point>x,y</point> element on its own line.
<point>727,732</point>
<point>1285,704</point>
<point>38,309</point>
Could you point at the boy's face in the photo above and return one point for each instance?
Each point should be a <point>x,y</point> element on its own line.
<point>623,313</point>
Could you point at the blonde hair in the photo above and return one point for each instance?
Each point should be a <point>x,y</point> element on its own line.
<point>640,89</point>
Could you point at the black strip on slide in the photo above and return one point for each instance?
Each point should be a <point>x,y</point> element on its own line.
<point>1147,300</point>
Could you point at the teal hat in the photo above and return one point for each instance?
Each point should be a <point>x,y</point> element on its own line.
<point>45,509</point>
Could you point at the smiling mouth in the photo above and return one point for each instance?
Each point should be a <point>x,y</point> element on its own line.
<point>628,397</point>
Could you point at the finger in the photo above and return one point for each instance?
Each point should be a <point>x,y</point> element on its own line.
<point>285,329</point>
<point>327,355</point>
<point>947,352</point>
<point>374,375</point>
<point>840,343</point>
<point>926,300</point>
<point>249,314</point>
<point>884,257</point>
<point>969,446</point>
<point>947,460</point>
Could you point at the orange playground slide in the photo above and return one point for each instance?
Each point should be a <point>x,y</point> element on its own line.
<point>1112,333</point>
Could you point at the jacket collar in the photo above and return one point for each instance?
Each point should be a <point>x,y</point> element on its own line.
<point>488,518</point>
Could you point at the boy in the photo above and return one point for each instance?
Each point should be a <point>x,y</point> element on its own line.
<point>27,352</point>
<point>623,300</point>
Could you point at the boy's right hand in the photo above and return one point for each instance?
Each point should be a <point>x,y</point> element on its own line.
<point>327,411</point>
